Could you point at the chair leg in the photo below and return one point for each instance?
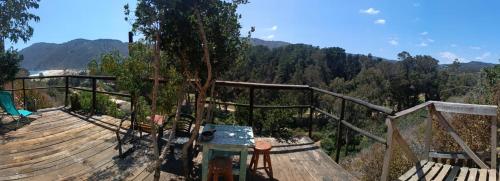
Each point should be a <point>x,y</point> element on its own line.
<point>256,163</point>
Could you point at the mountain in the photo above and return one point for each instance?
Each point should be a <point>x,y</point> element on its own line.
<point>268,44</point>
<point>74,54</point>
<point>473,66</point>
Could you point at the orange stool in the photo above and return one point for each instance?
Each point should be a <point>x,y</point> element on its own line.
<point>220,166</point>
<point>262,147</point>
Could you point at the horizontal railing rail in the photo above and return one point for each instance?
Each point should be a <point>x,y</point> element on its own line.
<point>311,91</point>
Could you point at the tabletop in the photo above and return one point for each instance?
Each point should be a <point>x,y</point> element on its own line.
<point>230,135</point>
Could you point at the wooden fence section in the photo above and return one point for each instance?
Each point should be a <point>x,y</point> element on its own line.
<point>393,137</point>
<point>434,110</point>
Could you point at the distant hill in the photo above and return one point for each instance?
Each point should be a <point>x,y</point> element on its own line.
<point>269,44</point>
<point>74,54</point>
<point>473,66</point>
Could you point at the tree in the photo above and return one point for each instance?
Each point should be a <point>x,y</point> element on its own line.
<point>201,37</point>
<point>14,20</point>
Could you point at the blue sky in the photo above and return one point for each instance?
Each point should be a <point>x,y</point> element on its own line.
<point>444,29</point>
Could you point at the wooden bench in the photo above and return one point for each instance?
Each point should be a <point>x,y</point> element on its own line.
<point>428,170</point>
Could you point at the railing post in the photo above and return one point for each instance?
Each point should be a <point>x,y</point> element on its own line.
<point>66,91</point>
<point>132,109</point>
<point>24,94</point>
<point>94,95</point>
<point>339,132</point>
<point>311,111</point>
<point>251,107</point>
<point>388,151</point>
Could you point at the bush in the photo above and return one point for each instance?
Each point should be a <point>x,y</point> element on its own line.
<point>82,101</point>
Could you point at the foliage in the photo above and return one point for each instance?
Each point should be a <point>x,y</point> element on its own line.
<point>9,64</point>
<point>15,19</point>
<point>82,101</point>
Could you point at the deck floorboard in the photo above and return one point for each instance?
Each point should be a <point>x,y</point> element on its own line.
<point>61,145</point>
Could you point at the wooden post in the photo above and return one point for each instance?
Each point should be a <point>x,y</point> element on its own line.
<point>339,132</point>
<point>346,141</point>
<point>388,151</point>
<point>428,134</point>
<point>132,109</point>
<point>24,94</point>
<point>12,91</point>
<point>311,111</point>
<point>494,140</point>
<point>250,116</point>
<point>94,95</point>
<point>66,91</point>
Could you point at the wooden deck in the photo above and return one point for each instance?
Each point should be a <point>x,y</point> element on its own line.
<point>428,170</point>
<point>65,146</point>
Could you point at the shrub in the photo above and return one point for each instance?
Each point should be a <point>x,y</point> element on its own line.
<point>82,101</point>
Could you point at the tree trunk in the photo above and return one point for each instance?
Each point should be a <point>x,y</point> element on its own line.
<point>153,109</point>
<point>2,45</point>
<point>200,104</point>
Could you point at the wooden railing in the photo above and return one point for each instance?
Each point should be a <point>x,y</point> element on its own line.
<point>435,108</point>
<point>393,137</point>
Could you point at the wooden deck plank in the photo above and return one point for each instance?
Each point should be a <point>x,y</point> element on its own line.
<point>433,172</point>
<point>472,174</point>
<point>65,146</point>
<point>483,174</point>
<point>442,174</point>
<point>463,174</point>
<point>412,170</point>
<point>492,174</point>
<point>422,172</point>
<point>453,173</point>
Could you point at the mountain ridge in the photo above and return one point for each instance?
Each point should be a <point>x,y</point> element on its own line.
<point>75,54</point>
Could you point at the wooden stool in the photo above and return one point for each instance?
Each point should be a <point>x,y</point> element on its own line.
<point>220,166</point>
<point>262,147</point>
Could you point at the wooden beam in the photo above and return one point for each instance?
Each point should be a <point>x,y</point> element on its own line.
<point>404,146</point>
<point>474,109</point>
<point>456,137</point>
<point>494,142</point>
<point>388,151</point>
<point>410,110</point>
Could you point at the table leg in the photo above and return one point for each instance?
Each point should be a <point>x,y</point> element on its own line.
<point>243,164</point>
<point>204,163</point>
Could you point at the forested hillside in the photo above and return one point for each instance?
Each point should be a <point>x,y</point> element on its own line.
<point>396,84</point>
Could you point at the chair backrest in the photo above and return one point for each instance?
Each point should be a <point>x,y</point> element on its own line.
<point>7,104</point>
<point>184,124</point>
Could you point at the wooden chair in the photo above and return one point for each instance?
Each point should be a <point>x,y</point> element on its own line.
<point>220,166</point>
<point>264,148</point>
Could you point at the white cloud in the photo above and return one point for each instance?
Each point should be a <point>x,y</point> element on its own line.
<point>475,47</point>
<point>424,33</point>
<point>449,57</point>
<point>430,40</point>
<point>422,44</point>
<point>274,28</point>
<point>453,45</point>
<point>379,21</point>
<point>268,37</point>
<point>370,11</point>
<point>393,42</point>
<point>483,56</point>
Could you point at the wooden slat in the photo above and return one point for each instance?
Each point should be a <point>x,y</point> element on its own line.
<point>463,174</point>
<point>472,174</point>
<point>444,171</point>
<point>433,172</point>
<point>422,172</point>
<point>456,137</point>
<point>474,109</point>
<point>453,173</point>
<point>492,175</point>
<point>483,174</point>
<point>494,142</point>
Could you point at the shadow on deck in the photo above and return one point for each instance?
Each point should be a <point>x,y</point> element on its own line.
<point>65,146</point>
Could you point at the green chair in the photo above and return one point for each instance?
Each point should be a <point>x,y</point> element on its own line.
<point>7,104</point>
